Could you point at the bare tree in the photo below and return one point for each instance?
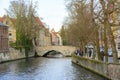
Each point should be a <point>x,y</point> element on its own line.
<point>85,19</point>
<point>107,11</point>
<point>80,26</point>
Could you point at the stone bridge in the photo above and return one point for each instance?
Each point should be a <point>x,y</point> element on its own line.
<point>65,50</point>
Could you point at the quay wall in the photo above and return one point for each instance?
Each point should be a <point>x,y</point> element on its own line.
<point>114,71</point>
<point>13,54</point>
<point>108,70</point>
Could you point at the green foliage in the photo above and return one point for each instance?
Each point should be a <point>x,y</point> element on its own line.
<point>63,33</point>
<point>26,24</point>
<point>65,42</point>
<point>12,44</point>
<point>23,40</point>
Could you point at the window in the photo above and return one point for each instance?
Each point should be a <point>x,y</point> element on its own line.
<point>10,34</point>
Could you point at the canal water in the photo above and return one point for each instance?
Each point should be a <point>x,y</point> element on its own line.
<point>45,69</point>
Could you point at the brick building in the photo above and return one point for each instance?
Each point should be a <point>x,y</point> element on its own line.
<point>3,38</point>
<point>6,20</point>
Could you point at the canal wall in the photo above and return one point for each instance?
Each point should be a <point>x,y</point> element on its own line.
<point>13,54</point>
<point>114,71</point>
<point>108,70</point>
<point>96,66</point>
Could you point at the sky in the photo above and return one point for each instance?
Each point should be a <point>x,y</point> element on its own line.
<point>52,12</point>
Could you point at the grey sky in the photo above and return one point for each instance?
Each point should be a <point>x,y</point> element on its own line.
<point>53,12</point>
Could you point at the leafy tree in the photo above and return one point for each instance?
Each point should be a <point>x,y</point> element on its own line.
<point>63,33</point>
<point>26,24</point>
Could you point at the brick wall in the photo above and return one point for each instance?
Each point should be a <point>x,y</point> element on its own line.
<point>4,39</point>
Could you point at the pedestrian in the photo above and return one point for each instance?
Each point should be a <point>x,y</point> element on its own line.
<point>90,52</point>
<point>102,55</point>
<point>76,52</point>
<point>79,52</point>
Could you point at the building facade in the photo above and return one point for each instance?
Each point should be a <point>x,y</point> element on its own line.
<point>6,20</point>
<point>44,34</point>
<point>3,38</point>
<point>44,38</point>
<point>55,38</point>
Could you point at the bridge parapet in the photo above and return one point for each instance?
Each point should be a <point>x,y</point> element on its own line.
<point>65,50</point>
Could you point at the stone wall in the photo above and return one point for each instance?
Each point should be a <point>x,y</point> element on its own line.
<point>114,71</point>
<point>110,71</point>
<point>13,54</point>
<point>93,65</point>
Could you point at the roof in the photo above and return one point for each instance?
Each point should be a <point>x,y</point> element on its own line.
<point>1,24</point>
<point>54,33</point>
<point>1,19</point>
<point>13,20</point>
<point>39,21</point>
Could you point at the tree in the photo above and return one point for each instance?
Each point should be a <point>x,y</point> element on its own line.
<point>62,31</point>
<point>63,35</point>
<point>107,11</point>
<point>84,24</point>
<point>26,24</point>
<point>81,31</point>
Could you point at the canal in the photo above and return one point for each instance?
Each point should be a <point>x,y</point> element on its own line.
<point>45,69</point>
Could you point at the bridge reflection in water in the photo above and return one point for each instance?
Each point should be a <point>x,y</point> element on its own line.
<point>45,69</point>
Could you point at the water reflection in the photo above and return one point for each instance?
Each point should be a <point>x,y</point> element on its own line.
<point>45,69</point>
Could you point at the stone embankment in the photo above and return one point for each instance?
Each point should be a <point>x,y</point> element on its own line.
<point>114,71</point>
<point>107,70</point>
<point>13,54</point>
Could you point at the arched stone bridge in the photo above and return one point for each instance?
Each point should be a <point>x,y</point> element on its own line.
<point>65,50</point>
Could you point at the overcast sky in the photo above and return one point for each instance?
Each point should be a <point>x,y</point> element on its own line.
<point>53,12</point>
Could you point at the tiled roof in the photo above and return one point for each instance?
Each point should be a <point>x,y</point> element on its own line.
<point>55,33</point>
<point>1,19</point>
<point>13,20</point>
<point>39,21</point>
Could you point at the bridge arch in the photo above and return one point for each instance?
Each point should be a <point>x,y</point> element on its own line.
<point>65,50</point>
<point>54,53</point>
